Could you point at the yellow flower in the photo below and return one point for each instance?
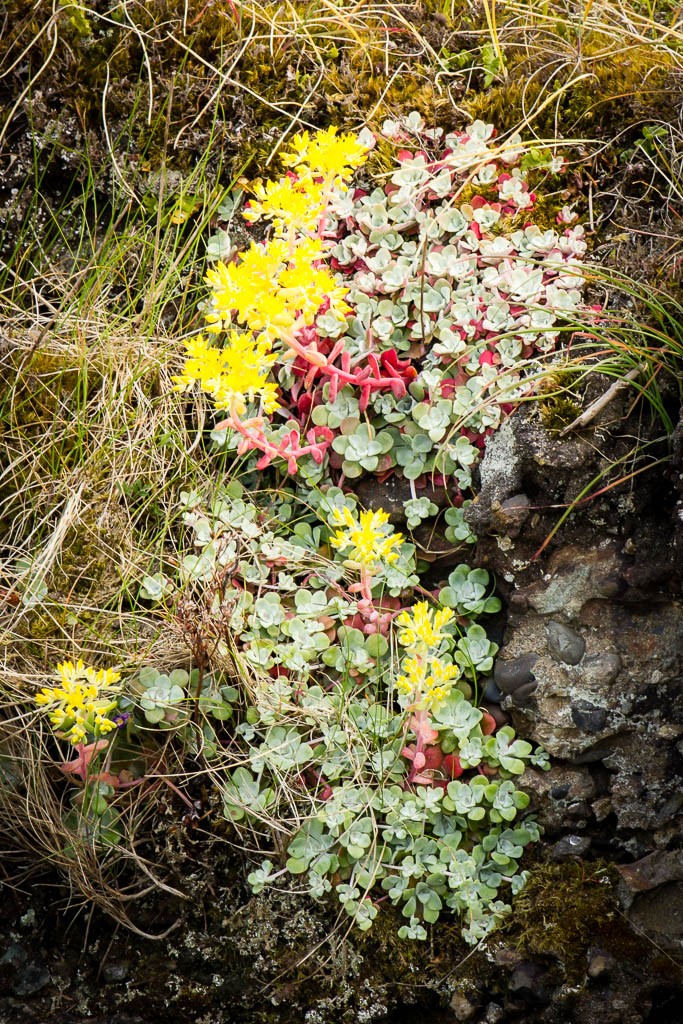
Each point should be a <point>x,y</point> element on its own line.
<point>326,154</point>
<point>291,204</point>
<point>233,375</point>
<point>427,681</point>
<point>78,705</point>
<point>370,538</point>
<point>423,625</point>
<point>274,289</point>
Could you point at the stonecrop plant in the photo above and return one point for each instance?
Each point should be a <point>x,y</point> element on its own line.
<point>358,707</point>
<point>334,693</point>
<point>389,328</point>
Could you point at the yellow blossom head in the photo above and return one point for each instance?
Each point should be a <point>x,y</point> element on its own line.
<point>367,540</point>
<point>326,154</point>
<point>423,626</point>
<point>79,704</point>
<point>233,375</point>
<point>426,682</point>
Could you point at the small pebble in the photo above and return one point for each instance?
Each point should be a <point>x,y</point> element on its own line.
<point>510,675</point>
<point>531,982</point>
<point>31,979</point>
<point>492,693</point>
<point>564,644</point>
<point>600,962</point>
<point>497,713</point>
<point>602,668</point>
<point>463,1009</point>
<point>494,1013</point>
<point>588,717</point>
<point>522,694</point>
<point>570,846</point>
<point>116,971</point>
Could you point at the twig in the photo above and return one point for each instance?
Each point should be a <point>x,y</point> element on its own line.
<point>595,407</point>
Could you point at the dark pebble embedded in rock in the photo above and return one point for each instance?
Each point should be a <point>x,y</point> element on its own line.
<point>492,693</point>
<point>510,675</point>
<point>570,846</point>
<point>564,644</point>
<point>497,713</point>
<point>523,693</point>
<point>512,513</point>
<point>588,717</point>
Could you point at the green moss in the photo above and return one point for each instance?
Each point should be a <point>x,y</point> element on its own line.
<point>557,405</point>
<point>566,908</point>
<point>603,92</point>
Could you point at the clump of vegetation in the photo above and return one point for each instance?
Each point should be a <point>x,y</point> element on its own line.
<point>331,699</point>
<point>351,729</point>
<point>408,359</point>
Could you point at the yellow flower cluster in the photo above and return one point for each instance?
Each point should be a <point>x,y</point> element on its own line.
<point>232,375</point>
<point>427,681</point>
<point>320,163</point>
<point>292,205</point>
<point>369,538</point>
<point>423,626</point>
<point>273,289</point>
<point>79,705</point>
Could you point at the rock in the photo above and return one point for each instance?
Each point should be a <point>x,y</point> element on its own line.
<point>577,576</point>
<point>588,717</point>
<point>659,914</point>
<point>564,644</point>
<point>497,713</point>
<point>554,792</point>
<point>492,693</point>
<point>494,1013</point>
<point>656,869</point>
<point>520,698</point>
<point>532,982</point>
<point>511,674</point>
<point>30,979</point>
<point>570,846</point>
<point>116,971</point>
<point>462,1006</point>
<point>601,668</point>
<point>600,963</point>
<point>509,516</point>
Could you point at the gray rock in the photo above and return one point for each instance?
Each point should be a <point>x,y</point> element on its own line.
<point>570,846</point>
<point>531,982</point>
<point>510,675</point>
<point>116,971</point>
<point>588,717</point>
<point>31,979</point>
<point>601,668</point>
<point>659,914</point>
<point>492,693</point>
<point>520,698</point>
<point>564,644</point>
<point>656,869</point>
<point>509,516</point>
<point>494,1013</point>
